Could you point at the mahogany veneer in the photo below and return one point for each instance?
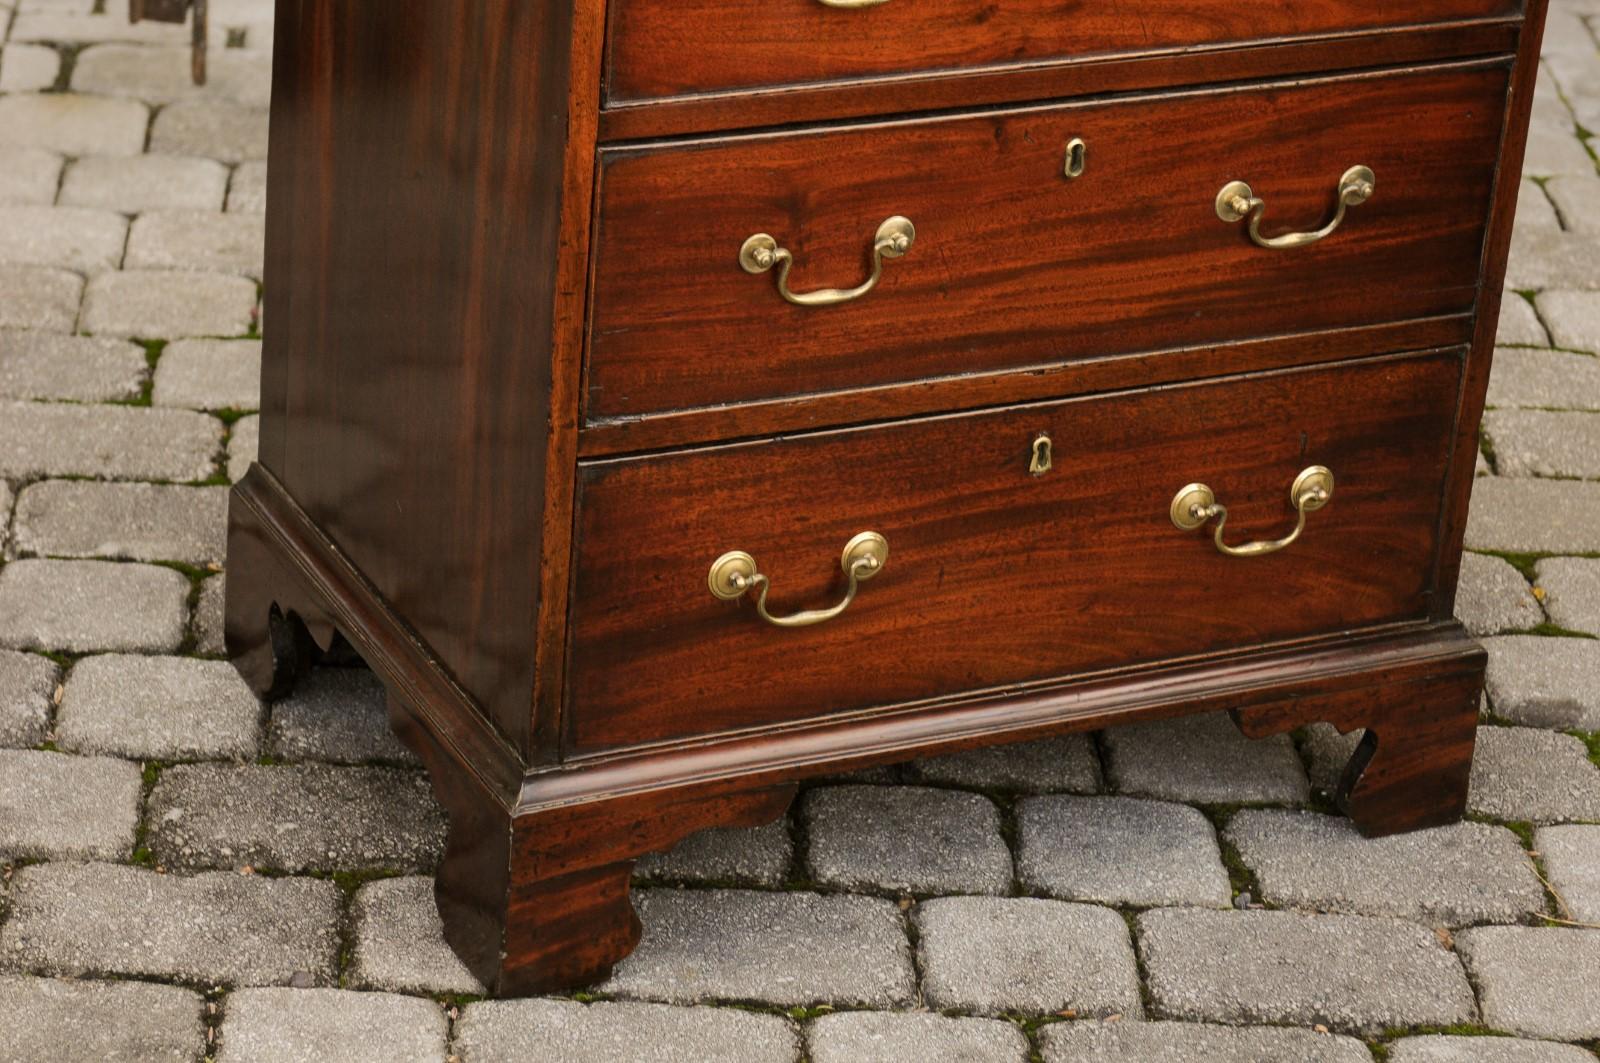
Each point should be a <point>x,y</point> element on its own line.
<point>521,405</point>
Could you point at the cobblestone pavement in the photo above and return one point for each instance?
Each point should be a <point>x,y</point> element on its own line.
<point>189,874</point>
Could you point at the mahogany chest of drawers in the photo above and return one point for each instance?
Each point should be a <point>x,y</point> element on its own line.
<point>675,399</point>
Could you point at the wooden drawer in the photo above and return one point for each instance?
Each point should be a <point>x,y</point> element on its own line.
<point>664,48</point>
<point>995,576</point>
<point>1016,265</point>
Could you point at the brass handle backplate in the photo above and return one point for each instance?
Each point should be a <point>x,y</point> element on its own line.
<point>734,573</point>
<point>761,252</point>
<point>1195,504</point>
<point>1236,202</point>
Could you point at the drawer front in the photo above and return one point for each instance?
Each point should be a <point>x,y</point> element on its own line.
<point>995,575</point>
<point>663,48</point>
<point>1013,264</point>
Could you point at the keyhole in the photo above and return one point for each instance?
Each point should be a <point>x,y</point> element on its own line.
<point>1041,456</point>
<point>1077,151</point>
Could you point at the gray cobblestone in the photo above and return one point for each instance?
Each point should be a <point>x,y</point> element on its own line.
<point>1188,1042</point>
<point>295,818</point>
<point>1493,597</point>
<point>1455,875</point>
<point>1537,982</point>
<point>81,27</point>
<point>1572,592</point>
<point>1066,764</point>
<point>1571,857</point>
<point>115,442</point>
<point>28,67</point>
<point>89,606</point>
<point>160,74</point>
<point>57,807</point>
<point>1535,210</point>
<point>1545,379</point>
<point>1542,260</point>
<point>995,954</point>
<point>909,839</point>
<point>784,949</point>
<point>224,131</point>
<point>564,1031</point>
<point>161,304</point>
<point>1537,516</point>
<point>1119,850</point>
<point>29,175</point>
<point>1519,325</point>
<point>335,714</point>
<point>208,617</point>
<point>195,239</point>
<point>1523,773</point>
<point>914,1037</point>
<point>399,941</point>
<point>72,124</point>
<point>137,183</point>
<point>1202,758</point>
<point>134,521</point>
<point>49,365</point>
<point>82,239</point>
<point>243,444</point>
<point>6,500</point>
<point>295,1025</point>
<point>754,856</point>
<point>247,193</point>
<point>1327,752</point>
<point>1231,967</point>
<point>37,297</point>
<point>1578,200</point>
<point>209,375</point>
<point>1573,317</point>
<point>99,1022</point>
<point>221,927</point>
<point>27,685</point>
<point>158,708</point>
<point>1544,443</point>
<point>1554,152</point>
<point>1442,1048</point>
<point>1545,682</point>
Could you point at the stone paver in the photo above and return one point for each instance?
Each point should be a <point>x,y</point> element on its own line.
<point>294,818</point>
<point>126,521</point>
<point>133,184</point>
<point>247,193</point>
<point>1545,682</point>
<point>909,839</point>
<point>399,941</point>
<point>221,927</point>
<point>49,365</point>
<point>243,444</point>
<point>38,297</point>
<point>58,807</point>
<point>1544,443</point>
<point>1574,318</point>
<point>1549,260</point>
<point>28,67</point>
<point>990,955</point>
<point>564,1031</point>
<point>29,175</point>
<point>1545,379</point>
<point>1119,850</point>
<point>1067,765</point>
<point>1443,1048</point>
<point>195,239</point>
<point>27,685</point>
<point>161,75</point>
<point>1572,592</point>
<point>58,22</point>
<point>1455,875</point>
<point>1537,982</point>
<point>1203,758</point>
<point>1188,1042</point>
<point>1286,967</point>
<point>110,442</point>
<point>1578,199</point>
<point>784,949</point>
<point>99,1022</point>
<point>916,1037</point>
<point>1493,597</point>
<point>209,375</point>
<point>1538,516</point>
<point>1523,773</point>
<point>290,1025</point>
<point>1555,151</point>
<point>90,606</point>
<point>753,856</point>
<point>158,708</point>
<point>73,124</point>
<point>226,132</point>
<point>208,617</point>
<point>168,304</point>
<point>1571,857</point>
<point>82,239</point>
<point>1519,325</point>
<point>338,715</point>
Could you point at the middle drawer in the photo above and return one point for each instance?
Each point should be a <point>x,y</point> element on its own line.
<point>1014,263</point>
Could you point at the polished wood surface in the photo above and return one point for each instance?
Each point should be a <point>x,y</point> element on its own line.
<point>1014,264</point>
<point>996,577</point>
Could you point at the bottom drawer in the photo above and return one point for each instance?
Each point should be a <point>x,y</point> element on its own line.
<point>998,574</point>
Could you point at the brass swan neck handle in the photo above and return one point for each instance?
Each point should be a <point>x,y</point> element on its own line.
<point>1195,504</point>
<point>761,253</point>
<point>1236,202</point>
<point>734,574</point>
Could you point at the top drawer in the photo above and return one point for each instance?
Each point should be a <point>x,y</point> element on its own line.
<point>664,48</point>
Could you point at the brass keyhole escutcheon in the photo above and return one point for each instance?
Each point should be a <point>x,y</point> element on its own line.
<point>1040,463</point>
<point>1077,157</point>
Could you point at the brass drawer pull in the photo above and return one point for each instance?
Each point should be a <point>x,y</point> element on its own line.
<point>1196,504</point>
<point>1236,202</point>
<point>761,252</point>
<point>734,573</point>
